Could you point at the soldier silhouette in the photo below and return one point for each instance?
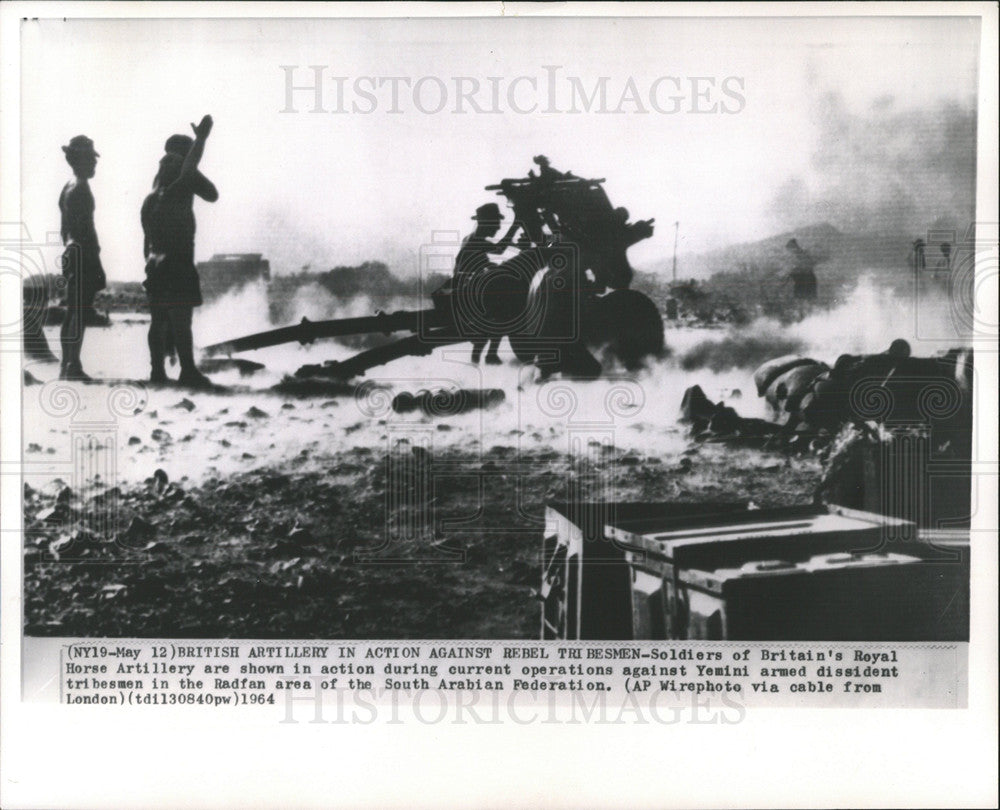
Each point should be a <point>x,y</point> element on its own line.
<point>168,226</point>
<point>471,261</point>
<point>919,257</point>
<point>802,274</point>
<point>945,263</point>
<point>81,260</point>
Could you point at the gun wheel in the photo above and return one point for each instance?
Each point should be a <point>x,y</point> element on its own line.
<point>630,326</point>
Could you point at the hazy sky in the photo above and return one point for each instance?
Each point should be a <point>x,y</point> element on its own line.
<point>339,188</point>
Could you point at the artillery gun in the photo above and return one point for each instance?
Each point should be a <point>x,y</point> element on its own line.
<point>563,296</point>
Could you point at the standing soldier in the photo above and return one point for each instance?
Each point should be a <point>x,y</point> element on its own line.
<point>472,260</point>
<point>919,256</point>
<point>171,278</point>
<point>81,260</point>
<point>945,263</point>
<point>802,275</point>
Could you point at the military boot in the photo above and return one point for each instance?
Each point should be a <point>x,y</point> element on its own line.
<point>74,372</point>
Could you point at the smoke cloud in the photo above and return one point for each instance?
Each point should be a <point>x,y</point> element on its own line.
<point>888,170</point>
<point>925,319</point>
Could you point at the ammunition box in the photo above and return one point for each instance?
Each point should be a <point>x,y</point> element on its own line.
<point>586,587</point>
<point>700,560</point>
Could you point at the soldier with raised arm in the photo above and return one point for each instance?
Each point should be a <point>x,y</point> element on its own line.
<point>168,226</point>
<point>81,260</point>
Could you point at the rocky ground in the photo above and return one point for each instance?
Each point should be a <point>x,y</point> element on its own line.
<point>371,544</point>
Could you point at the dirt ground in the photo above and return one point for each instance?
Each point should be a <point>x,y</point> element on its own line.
<point>367,544</point>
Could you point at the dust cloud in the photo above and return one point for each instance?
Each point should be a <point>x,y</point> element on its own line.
<point>872,316</point>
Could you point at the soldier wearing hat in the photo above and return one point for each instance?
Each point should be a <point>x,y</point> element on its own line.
<point>168,226</point>
<point>473,259</point>
<point>81,260</point>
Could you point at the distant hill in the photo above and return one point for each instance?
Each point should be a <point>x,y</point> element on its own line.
<point>843,257</point>
<point>752,277</point>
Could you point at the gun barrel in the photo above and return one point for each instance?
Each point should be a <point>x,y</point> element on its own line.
<point>529,182</point>
<point>307,331</point>
<point>505,185</point>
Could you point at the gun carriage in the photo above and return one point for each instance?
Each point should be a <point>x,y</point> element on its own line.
<point>562,298</point>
